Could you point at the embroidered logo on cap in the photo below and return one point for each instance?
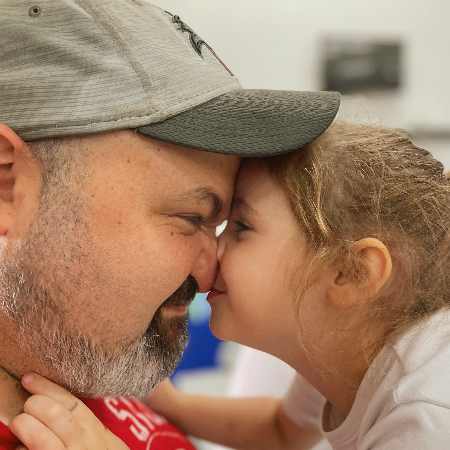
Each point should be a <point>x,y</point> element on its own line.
<point>195,40</point>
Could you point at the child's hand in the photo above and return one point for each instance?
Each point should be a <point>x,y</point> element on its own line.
<point>53,419</point>
<point>163,398</point>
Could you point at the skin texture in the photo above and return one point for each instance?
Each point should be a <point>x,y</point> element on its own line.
<point>99,262</point>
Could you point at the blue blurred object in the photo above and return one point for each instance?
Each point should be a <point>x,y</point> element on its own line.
<point>201,352</point>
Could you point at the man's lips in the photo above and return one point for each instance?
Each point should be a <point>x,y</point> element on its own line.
<point>214,293</point>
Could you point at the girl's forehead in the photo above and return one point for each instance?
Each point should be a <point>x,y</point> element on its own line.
<point>257,187</point>
<point>253,175</point>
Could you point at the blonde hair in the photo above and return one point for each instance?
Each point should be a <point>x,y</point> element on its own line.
<point>357,181</point>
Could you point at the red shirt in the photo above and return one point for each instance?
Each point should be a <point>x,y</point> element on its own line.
<point>7,440</point>
<point>130,420</point>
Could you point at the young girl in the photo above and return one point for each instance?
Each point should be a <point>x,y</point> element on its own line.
<point>335,260</point>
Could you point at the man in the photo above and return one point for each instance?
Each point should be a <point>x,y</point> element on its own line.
<point>119,144</point>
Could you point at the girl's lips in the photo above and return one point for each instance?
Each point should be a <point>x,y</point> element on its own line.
<point>214,293</point>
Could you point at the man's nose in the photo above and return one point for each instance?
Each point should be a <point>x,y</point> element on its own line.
<point>205,268</point>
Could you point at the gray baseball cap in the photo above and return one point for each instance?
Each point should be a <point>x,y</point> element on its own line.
<point>72,67</point>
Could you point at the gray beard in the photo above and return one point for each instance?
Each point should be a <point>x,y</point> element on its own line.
<point>80,365</point>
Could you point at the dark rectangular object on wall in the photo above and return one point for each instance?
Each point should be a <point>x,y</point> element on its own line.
<point>360,64</point>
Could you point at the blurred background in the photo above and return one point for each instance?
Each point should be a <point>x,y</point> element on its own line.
<point>391,60</point>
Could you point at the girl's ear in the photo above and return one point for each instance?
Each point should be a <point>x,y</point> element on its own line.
<point>370,270</point>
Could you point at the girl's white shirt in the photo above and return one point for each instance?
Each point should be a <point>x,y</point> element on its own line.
<point>403,401</point>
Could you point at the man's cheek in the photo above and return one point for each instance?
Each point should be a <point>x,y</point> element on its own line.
<point>180,257</point>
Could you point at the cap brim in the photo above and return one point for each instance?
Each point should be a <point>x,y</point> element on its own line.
<point>251,123</point>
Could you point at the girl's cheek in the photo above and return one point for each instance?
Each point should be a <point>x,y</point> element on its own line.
<point>233,267</point>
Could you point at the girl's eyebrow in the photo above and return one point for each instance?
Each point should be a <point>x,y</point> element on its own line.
<point>241,203</point>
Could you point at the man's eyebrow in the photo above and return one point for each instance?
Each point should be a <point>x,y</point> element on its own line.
<point>203,194</point>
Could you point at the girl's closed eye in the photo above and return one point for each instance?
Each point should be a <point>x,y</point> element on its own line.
<point>239,226</point>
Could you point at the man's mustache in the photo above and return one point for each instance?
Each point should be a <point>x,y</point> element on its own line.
<point>184,295</point>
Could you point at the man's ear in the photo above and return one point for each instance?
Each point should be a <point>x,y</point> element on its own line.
<point>367,274</point>
<point>14,164</point>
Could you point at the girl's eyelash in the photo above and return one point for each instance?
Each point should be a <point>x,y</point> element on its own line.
<point>240,226</point>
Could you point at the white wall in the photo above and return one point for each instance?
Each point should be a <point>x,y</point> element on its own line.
<point>275,44</point>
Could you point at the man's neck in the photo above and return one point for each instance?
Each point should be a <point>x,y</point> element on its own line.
<point>12,397</point>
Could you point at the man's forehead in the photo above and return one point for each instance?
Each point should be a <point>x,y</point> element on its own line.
<point>200,173</point>
<point>182,173</point>
<point>165,158</point>
<point>197,158</point>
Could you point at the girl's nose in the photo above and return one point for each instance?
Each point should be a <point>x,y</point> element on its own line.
<point>221,246</point>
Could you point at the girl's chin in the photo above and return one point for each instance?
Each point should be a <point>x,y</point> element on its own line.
<point>222,322</point>
<point>218,327</point>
